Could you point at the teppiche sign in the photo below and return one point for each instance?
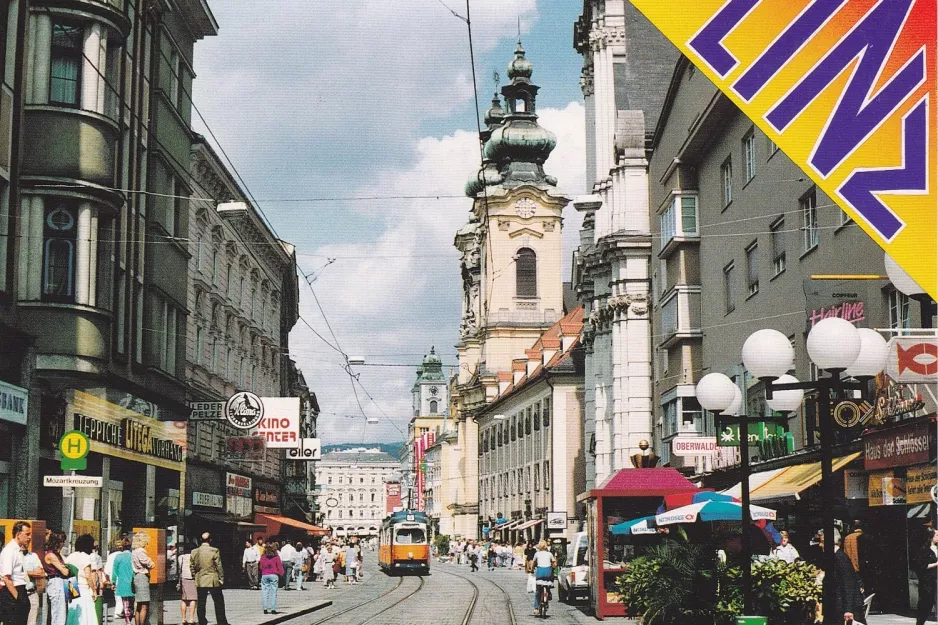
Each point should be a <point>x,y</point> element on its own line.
<point>846,88</point>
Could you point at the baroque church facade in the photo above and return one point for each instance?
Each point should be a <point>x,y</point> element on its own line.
<point>510,265</point>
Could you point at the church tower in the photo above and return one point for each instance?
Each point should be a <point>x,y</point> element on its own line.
<point>431,395</point>
<point>511,262</point>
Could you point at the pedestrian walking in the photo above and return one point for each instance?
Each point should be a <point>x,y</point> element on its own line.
<point>81,610</point>
<point>529,552</point>
<point>189,595</point>
<point>845,584</point>
<point>14,604</point>
<point>492,555</point>
<point>119,570</point>
<point>785,550</point>
<point>360,566</point>
<point>209,578</point>
<point>142,563</point>
<point>249,564</point>
<point>351,561</point>
<point>300,565</point>
<point>56,574</point>
<point>473,559</point>
<point>317,565</point>
<point>287,553</point>
<point>329,566</point>
<point>117,549</point>
<point>271,569</point>
<point>927,565</point>
<point>35,584</point>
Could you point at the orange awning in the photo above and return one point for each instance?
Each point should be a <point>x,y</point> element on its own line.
<point>313,530</point>
<point>790,482</point>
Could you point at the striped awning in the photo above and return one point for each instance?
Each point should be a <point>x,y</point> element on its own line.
<point>528,524</point>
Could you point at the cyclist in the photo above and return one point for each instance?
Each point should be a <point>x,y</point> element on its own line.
<point>544,563</point>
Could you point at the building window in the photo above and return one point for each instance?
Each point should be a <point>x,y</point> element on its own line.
<point>670,418</point>
<point>175,78</point>
<point>778,245</point>
<point>752,268</point>
<point>166,339</point>
<point>899,318</point>
<point>514,427</point>
<point>66,62</point>
<point>215,267</point>
<point>526,273</point>
<point>809,226</point>
<point>537,477</point>
<point>433,407</point>
<point>199,344</point>
<point>691,412</point>
<point>726,175</point>
<point>773,148</point>
<point>749,155</point>
<point>231,281</point>
<point>845,218</point>
<point>730,297</point>
<point>546,412</point>
<point>679,219</point>
<point>58,254</point>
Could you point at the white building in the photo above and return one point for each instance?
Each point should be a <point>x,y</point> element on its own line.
<point>626,69</point>
<point>530,436</point>
<point>352,490</point>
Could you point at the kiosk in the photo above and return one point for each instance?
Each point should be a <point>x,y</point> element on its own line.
<point>626,494</point>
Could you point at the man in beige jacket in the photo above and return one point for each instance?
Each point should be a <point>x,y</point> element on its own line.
<point>205,563</point>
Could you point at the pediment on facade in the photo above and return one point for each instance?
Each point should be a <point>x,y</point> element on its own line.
<point>525,232</point>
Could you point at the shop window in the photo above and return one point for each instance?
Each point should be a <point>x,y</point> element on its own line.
<point>58,275</point>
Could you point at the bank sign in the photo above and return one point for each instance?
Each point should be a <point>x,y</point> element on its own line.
<point>13,403</point>
<point>846,89</point>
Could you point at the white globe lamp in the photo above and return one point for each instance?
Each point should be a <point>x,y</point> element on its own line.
<point>900,279</point>
<point>768,354</point>
<point>715,392</point>
<point>872,358</point>
<point>786,401</point>
<point>833,343</point>
<point>733,408</point>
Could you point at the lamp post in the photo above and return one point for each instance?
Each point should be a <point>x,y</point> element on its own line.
<point>719,394</point>
<point>837,347</point>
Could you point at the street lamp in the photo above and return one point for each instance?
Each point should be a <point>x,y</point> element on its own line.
<point>837,347</point>
<point>719,394</point>
<point>905,284</point>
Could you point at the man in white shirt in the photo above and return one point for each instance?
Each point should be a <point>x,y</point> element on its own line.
<point>14,601</point>
<point>287,554</point>
<point>249,563</point>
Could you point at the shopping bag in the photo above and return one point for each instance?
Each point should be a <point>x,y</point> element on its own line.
<point>532,583</point>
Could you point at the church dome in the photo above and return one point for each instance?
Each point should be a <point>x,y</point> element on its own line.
<point>485,177</point>
<point>520,140</point>
<point>494,115</point>
<point>520,67</point>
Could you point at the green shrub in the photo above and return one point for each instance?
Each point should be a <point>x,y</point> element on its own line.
<point>786,593</point>
<point>680,583</point>
<point>442,544</point>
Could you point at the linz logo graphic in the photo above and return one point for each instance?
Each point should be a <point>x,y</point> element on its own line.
<point>244,410</point>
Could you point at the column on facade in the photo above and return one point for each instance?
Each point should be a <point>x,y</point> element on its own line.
<point>40,33</point>
<point>93,67</point>
<point>31,228</point>
<point>589,105</point>
<point>85,254</point>
<point>620,399</point>
<point>589,410</point>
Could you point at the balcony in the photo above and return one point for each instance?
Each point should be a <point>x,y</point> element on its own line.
<point>680,315</point>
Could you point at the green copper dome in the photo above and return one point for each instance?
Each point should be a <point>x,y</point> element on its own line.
<point>520,140</point>
<point>496,113</point>
<point>520,67</point>
<point>485,177</point>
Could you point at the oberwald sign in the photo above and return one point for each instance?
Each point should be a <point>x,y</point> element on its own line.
<point>694,446</point>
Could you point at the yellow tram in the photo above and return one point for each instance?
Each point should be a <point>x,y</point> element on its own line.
<point>404,547</point>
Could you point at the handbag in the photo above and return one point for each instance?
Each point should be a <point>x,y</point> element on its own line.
<point>532,583</point>
<point>72,591</point>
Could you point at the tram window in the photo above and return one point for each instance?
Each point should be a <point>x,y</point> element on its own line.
<point>410,536</point>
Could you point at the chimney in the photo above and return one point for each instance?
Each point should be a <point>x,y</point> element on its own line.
<point>518,368</point>
<point>504,381</point>
<point>550,347</point>
<point>534,359</point>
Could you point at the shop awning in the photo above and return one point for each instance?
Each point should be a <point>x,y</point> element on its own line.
<point>508,526</point>
<point>270,519</point>
<point>528,524</point>
<point>652,482</point>
<point>788,481</point>
<point>224,519</point>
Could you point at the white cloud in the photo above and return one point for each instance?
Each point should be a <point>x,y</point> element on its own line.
<point>390,299</point>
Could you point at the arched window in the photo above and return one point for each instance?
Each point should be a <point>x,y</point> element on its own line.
<point>433,407</point>
<point>58,278</point>
<point>526,273</point>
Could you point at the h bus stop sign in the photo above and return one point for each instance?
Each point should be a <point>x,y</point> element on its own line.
<point>74,447</point>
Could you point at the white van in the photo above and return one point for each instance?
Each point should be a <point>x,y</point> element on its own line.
<point>573,581</point>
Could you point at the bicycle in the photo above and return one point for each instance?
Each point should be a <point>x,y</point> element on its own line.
<point>543,596</point>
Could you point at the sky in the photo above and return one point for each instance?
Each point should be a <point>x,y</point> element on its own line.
<point>353,125</point>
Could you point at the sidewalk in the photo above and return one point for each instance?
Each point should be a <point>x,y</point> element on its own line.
<point>892,619</point>
<point>243,607</point>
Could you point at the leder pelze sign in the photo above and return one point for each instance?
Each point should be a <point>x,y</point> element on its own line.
<point>846,88</point>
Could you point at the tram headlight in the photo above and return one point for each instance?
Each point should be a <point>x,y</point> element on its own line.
<point>410,555</point>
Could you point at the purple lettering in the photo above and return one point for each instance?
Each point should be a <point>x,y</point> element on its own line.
<point>857,115</point>
<point>860,188</point>
<point>811,19</point>
<point>708,42</point>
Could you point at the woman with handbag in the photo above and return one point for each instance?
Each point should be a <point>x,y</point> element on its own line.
<point>271,570</point>
<point>189,597</point>
<point>142,563</point>
<point>329,566</point>
<point>56,574</point>
<point>81,610</point>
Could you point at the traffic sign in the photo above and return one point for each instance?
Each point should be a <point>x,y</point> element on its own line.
<point>72,481</point>
<point>74,447</point>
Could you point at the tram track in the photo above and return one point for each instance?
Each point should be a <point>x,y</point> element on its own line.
<point>400,582</point>
<point>475,594</point>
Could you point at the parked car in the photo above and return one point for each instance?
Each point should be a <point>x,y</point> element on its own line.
<point>573,580</point>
